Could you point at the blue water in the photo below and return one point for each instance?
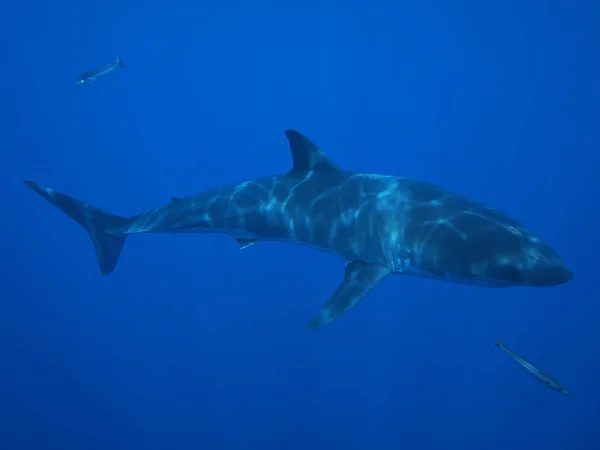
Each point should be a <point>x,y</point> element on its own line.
<point>194,344</point>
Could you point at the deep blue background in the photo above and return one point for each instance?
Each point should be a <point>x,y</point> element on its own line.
<point>193,344</point>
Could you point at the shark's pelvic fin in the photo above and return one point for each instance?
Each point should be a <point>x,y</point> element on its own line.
<point>245,243</point>
<point>106,230</point>
<point>359,279</point>
<point>307,156</point>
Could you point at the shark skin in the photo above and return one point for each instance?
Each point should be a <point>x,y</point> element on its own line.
<point>380,224</point>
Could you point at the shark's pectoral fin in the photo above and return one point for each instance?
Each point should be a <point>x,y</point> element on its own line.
<point>359,279</point>
<point>244,243</point>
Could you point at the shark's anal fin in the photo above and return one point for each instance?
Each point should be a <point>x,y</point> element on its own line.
<point>359,279</point>
<point>245,243</point>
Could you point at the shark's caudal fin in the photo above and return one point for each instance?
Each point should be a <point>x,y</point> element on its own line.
<point>499,343</point>
<point>106,230</point>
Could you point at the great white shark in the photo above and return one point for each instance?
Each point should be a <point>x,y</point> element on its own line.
<point>380,224</point>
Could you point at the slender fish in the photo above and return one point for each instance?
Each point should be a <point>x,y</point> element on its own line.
<point>92,75</point>
<point>537,373</point>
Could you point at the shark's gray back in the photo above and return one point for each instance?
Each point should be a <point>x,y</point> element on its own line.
<point>410,226</point>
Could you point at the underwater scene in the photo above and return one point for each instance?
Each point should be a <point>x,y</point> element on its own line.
<point>289,226</point>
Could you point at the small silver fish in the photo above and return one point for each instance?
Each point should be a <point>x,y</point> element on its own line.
<point>537,373</point>
<point>92,75</point>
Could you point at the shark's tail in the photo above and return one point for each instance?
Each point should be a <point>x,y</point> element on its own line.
<point>499,343</point>
<point>108,232</point>
<point>120,63</point>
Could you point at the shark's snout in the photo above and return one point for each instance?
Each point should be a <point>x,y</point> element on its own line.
<point>544,267</point>
<point>548,273</point>
<point>532,264</point>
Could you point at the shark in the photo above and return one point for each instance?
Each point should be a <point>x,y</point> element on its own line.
<point>379,224</point>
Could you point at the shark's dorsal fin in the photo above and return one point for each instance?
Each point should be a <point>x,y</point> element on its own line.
<point>307,156</point>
